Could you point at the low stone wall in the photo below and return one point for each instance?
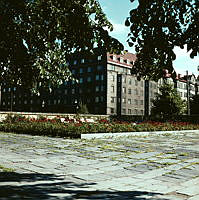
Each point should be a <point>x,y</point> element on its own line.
<point>83,117</point>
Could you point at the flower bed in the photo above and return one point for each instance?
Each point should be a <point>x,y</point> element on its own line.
<point>66,127</point>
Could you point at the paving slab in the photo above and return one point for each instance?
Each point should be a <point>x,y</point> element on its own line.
<point>159,167</point>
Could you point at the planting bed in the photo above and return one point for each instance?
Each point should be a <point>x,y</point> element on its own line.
<point>66,127</point>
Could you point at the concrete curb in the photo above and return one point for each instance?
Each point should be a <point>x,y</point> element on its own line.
<point>125,134</point>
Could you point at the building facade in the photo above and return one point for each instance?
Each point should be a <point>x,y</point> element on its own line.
<point>102,81</point>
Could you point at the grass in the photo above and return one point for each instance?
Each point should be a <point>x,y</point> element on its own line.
<point>5,169</point>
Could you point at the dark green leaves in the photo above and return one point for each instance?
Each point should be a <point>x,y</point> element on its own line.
<point>34,30</point>
<point>156,27</point>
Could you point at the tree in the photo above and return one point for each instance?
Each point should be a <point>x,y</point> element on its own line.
<point>194,105</point>
<point>82,109</point>
<point>36,35</point>
<point>167,103</point>
<point>156,27</point>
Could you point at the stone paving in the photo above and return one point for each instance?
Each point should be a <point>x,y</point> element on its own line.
<point>163,167</point>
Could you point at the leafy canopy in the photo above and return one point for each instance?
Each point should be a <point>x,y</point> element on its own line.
<point>168,102</point>
<point>36,35</point>
<point>156,27</point>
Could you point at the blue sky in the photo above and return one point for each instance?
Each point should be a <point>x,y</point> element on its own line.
<point>118,10</point>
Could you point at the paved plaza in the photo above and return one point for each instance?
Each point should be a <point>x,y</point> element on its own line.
<point>156,167</point>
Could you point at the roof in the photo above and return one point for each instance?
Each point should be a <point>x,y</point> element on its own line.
<point>128,58</point>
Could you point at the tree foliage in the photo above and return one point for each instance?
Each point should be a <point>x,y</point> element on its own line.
<point>168,102</point>
<point>156,27</point>
<point>194,105</point>
<point>37,34</point>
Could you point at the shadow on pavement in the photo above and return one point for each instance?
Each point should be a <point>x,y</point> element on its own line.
<point>48,186</point>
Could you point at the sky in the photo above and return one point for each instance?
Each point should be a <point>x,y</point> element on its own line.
<point>117,11</point>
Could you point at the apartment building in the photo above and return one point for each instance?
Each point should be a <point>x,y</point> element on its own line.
<point>103,82</point>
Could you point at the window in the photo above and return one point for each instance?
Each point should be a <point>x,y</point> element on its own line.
<point>135,112</point>
<point>129,101</point>
<point>65,91</point>
<point>136,91</point>
<point>99,67</point>
<point>102,88</point>
<point>141,102</point>
<point>75,62</point>
<point>81,80</point>
<point>112,110</point>
<point>112,99</point>
<point>124,90</point>
<point>136,102</point>
<point>99,58</point>
<point>31,101</point>
<point>136,82</point>
<point>124,80</point>
<point>97,88</point>
<point>101,98</point>
<point>81,70</point>
<point>82,60</point>
<point>119,79</point>
<point>124,70</point>
<point>14,88</point>
<point>89,79</point>
<point>123,100</point>
<point>141,93</point>
<point>73,91</point>
<point>112,89</point>
<point>111,67</point>
<point>25,102</point>
<point>129,91</point>
<point>97,77</point>
<point>129,111</point>
<point>102,77</point>
<point>73,71</point>
<point>129,81</point>
<point>89,69</point>
<point>80,91</point>
<point>124,111</point>
<point>96,99</point>
<point>73,82</point>
<point>112,78</point>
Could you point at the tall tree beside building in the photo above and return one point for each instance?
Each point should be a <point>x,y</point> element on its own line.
<point>168,103</point>
<point>156,27</point>
<point>37,34</point>
<point>194,105</point>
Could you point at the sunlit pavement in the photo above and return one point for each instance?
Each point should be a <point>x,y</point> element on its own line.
<point>153,167</point>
